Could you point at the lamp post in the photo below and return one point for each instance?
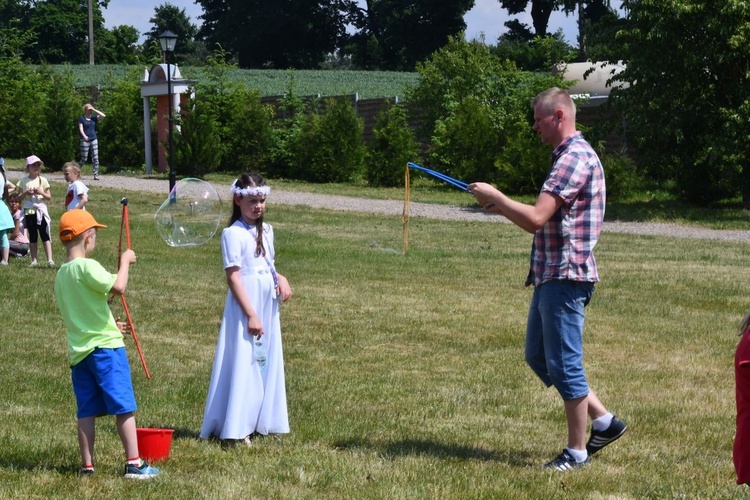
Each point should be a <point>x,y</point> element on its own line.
<point>168,40</point>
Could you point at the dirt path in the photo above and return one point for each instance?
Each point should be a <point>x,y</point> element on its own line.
<point>395,208</point>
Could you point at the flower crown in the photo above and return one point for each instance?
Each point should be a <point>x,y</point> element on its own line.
<point>250,190</point>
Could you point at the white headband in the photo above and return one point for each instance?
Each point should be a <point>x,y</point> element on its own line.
<point>250,191</point>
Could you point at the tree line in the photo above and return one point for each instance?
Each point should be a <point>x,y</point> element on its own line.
<point>391,35</point>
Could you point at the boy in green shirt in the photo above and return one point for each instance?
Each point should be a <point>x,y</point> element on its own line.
<point>99,363</point>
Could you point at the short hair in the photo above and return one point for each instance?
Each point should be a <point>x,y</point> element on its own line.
<point>554,98</point>
<point>87,106</point>
<point>73,166</point>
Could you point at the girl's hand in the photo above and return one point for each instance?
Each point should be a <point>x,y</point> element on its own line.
<point>254,327</point>
<point>284,290</point>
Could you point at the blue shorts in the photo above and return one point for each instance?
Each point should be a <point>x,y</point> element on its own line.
<point>554,336</point>
<point>102,384</point>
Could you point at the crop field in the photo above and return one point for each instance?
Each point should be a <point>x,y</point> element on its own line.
<point>368,84</point>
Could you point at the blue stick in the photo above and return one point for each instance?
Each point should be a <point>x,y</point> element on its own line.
<point>450,180</point>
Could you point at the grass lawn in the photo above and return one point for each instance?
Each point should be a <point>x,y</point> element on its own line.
<point>405,374</point>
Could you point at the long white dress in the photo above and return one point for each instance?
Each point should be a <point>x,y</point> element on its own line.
<point>247,392</point>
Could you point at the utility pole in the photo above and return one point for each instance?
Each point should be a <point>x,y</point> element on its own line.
<point>91,32</point>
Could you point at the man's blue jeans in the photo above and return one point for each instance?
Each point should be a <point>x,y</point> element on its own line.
<point>554,335</point>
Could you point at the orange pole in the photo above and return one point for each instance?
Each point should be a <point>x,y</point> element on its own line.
<point>126,225</point>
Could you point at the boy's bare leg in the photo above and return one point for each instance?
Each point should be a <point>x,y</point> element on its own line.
<point>126,430</point>
<point>86,437</point>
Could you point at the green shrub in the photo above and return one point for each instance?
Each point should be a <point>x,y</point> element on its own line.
<point>121,137</point>
<point>466,142</point>
<point>285,132</point>
<point>393,146</point>
<point>197,142</point>
<point>621,176</point>
<point>58,130</point>
<point>329,147</point>
<point>22,101</point>
<point>476,112</point>
<point>248,135</point>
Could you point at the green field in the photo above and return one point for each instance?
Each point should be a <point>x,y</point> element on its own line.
<point>405,374</point>
<point>368,84</point>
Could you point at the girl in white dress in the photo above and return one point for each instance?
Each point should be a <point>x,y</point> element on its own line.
<point>246,394</point>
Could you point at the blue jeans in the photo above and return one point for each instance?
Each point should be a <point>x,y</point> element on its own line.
<point>554,335</point>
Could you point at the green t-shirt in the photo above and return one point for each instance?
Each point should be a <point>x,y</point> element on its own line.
<point>81,289</point>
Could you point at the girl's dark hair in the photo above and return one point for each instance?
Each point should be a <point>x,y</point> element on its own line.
<point>745,324</point>
<point>246,180</point>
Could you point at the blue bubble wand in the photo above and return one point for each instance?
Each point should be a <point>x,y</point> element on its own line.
<point>438,175</point>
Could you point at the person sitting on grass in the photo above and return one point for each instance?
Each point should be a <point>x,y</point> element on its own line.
<point>99,364</point>
<point>6,224</point>
<point>19,241</point>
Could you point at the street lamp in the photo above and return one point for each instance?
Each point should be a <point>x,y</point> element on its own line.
<point>168,40</point>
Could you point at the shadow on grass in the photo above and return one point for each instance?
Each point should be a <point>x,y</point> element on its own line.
<point>22,461</point>
<point>182,433</point>
<point>417,447</point>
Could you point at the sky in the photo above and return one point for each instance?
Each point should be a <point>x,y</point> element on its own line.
<point>486,17</point>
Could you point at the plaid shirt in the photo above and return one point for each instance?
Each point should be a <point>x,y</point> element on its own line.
<point>563,248</point>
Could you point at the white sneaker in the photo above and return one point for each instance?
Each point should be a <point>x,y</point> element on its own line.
<point>3,263</point>
<point>34,263</point>
<point>51,263</point>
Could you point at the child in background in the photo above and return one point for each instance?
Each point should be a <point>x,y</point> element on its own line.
<point>247,395</point>
<point>19,242</point>
<point>741,454</point>
<point>6,223</point>
<point>78,194</point>
<point>34,192</point>
<point>99,364</point>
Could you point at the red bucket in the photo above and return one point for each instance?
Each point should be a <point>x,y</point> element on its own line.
<point>154,444</point>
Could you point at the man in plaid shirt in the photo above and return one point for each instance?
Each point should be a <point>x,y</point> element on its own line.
<point>566,221</point>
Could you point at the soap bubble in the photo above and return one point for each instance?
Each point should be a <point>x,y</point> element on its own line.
<point>191,214</point>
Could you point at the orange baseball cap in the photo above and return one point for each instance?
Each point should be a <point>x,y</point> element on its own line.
<point>76,222</point>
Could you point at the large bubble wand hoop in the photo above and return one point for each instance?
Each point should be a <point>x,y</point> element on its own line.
<point>125,225</point>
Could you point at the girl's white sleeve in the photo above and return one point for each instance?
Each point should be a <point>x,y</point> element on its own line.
<point>231,247</point>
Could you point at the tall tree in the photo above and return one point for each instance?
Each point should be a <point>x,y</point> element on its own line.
<point>120,46</point>
<point>688,102</point>
<point>397,34</point>
<point>61,27</point>
<point>275,33</point>
<point>588,12</point>
<point>168,17</point>
<point>540,11</point>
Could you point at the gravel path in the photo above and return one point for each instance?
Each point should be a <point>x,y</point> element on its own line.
<point>395,208</point>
